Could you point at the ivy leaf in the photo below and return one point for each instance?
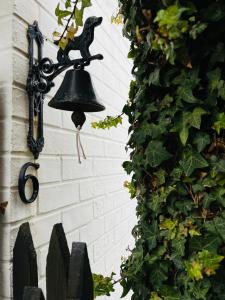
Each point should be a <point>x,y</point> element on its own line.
<point>196,117</point>
<point>166,101</point>
<point>160,174</point>
<point>108,122</point>
<point>128,167</point>
<point>186,94</point>
<point>169,293</point>
<point>197,29</point>
<point>79,16</point>
<point>56,34</point>
<point>191,161</point>
<point>150,233</point>
<point>208,199</point>
<point>200,289</point>
<point>214,79</point>
<point>201,140</point>
<point>159,274</point>
<point>154,77</point>
<point>178,246</point>
<point>219,123</point>
<point>183,127</point>
<point>68,3</point>
<point>155,296</point>
<point>102,285</point>
<point>63,43</point>
<point>86,3</point>
<point>210,262</point>
<point>210,242</point>
<point>194,270</point>
<point>187,78</point>
<point>71,31</point>
<point>61,14</point>
<point>156,153</point>
<point>220,226</point>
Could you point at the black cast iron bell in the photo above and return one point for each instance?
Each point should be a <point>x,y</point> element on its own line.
<point>76,93</point>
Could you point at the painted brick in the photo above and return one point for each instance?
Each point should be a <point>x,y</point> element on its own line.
<point>56,197</point>
<point>114,150</point>
<point>20,211</point>
<point>77,216</point>
<point>41,228</point>
<point>103,244</point>
<point>5,274</point>
<point>19,136</point>
<point>99,207</point>
<point>42,256</point>
<point>5,252</point>
<point>20,68</point>
<point>92,231</point>
<point>71,169</point>
<point>90,189</point>
<point>50,170</point>
<point>20,100</point>
<point>28,10</point>
<point>19,37</point>
<point>15,165</point>
<point>6,8</point>
<point>73,236</point>
<point>6,29</point>
<point>112,219</point>
<point>107,167</point>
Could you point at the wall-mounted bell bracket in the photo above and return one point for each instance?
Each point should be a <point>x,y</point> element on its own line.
<point>42,72</point>
<point>76,92</point>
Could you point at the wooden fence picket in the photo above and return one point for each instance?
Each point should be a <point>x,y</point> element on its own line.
<point>80,284</point>
<point>57,265</point>
<point>33,293</point>
<point>68,277</point>
<point>24,262</point>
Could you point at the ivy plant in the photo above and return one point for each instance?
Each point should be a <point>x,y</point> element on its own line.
<point>177,143</point>
<point>177,164</point>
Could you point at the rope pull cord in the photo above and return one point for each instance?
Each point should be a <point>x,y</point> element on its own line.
<point>79,119</point>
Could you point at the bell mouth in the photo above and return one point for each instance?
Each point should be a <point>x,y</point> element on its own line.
<point>84,107</point>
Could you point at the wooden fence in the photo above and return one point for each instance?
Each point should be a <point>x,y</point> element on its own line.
<point>68,276</point>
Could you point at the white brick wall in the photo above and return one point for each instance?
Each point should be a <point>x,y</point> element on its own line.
<point>89,199</point>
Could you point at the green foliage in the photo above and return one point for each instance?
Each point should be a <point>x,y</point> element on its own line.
<point>108,122</point>
<point>131,189</point>
<point>103,285</point>
<point>204,263</point>
<point>176,140</point>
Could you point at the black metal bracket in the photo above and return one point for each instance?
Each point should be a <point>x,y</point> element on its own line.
<point>42,72</point>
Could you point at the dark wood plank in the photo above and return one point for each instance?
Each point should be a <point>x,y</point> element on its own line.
<point>80,284</point>
<point>57,265</point>
<point>33,293</point>
<point>24,262</point>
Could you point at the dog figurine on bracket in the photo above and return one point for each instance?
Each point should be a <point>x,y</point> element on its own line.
<point>81,43</point>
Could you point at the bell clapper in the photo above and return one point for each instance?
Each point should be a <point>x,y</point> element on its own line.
<point>78,119</point>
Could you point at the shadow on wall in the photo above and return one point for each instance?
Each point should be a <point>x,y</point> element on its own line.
<point>4,190</point>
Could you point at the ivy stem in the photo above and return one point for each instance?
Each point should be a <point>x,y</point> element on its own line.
<point>117,281</point>
<point>68,22</point>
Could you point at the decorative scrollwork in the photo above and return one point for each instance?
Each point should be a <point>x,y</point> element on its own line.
<point>23,178</point>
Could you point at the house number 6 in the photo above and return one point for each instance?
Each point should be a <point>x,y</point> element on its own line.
<point>23,178</point>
